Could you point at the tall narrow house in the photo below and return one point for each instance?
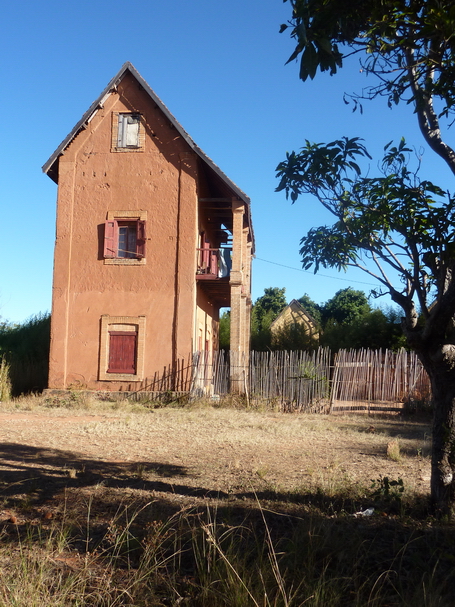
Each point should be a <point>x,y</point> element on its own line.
<point>152,240</point>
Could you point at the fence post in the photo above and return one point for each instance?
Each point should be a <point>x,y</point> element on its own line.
<point>334,382</point>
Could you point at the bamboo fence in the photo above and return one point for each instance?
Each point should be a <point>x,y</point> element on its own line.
<point>352,380</point>
<point>375,380</point>
<point>295,381</point>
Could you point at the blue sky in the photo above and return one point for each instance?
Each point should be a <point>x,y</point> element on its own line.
<point>219,68</point>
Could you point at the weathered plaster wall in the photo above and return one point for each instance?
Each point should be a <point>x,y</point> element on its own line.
<point>161,179</point>
<point>207,323</point>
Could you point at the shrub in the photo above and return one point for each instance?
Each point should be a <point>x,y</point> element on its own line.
<point>25,348</point>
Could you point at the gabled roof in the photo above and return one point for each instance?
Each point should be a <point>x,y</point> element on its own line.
<point>295,306</point>
<point>51,166</point>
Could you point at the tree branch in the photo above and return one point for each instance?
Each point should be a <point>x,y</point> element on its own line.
<point>426,116</point>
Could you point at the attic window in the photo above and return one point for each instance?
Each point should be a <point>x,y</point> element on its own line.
<point>127,132</point>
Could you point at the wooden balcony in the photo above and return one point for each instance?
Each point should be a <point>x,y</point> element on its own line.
<point>213,264</point>
<point>212,274</point>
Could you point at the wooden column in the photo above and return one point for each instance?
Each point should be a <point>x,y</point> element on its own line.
<point>237,307</point>
<point>246,294</point>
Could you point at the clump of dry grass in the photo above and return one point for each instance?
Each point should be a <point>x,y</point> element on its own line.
<point>393,450</point>
<point>5,381</point>
<point>74,402</point>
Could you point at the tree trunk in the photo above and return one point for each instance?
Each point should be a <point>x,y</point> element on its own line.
<point>443,450</point>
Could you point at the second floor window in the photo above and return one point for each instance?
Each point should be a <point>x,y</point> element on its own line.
<point>127,239</point>
<point>124,239</point>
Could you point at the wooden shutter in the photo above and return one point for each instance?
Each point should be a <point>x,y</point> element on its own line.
<point>122,352</point>
<point>110,239</point>
<point>214,263</point>
<point>205,253</point>
<point>132,131</point>
<point>120,131</point>
<point>128,130</point>
<point>140,238</point>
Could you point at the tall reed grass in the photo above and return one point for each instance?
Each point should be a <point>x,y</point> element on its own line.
<point>25,347</point>
<point>5,381</point>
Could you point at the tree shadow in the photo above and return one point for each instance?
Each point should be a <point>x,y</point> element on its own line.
<point>405,428</point>
<point>36,475</point>
<point>94,499</point>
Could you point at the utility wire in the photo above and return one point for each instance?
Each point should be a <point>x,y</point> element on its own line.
<point>359,282</point>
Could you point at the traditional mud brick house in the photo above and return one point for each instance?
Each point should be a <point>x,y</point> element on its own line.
<point>152,240</point>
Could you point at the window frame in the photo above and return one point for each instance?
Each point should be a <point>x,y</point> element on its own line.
<point>132,325</point>
<point>114,220</point>
<point>120,132</point>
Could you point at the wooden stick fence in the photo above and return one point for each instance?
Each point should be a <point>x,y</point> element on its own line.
<point>357,380</point>
<point>369,380</point>
<point>296,381</point>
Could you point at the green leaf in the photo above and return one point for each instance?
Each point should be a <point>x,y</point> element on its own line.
<point>295,54</point>
<point>309,63</point>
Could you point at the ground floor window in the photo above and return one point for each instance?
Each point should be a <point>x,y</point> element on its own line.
<point>122,351</point>
<point>122,348</point>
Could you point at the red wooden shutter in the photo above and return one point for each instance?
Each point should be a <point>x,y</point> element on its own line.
<point>122,352</point>
<point>205,253</point>
<point>110,239</point>
<point>140,238</point>
<point>214,263</point>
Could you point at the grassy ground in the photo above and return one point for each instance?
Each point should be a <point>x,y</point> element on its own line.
<point>120,504</point>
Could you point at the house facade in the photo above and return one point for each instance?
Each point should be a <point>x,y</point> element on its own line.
<point>152,239</point>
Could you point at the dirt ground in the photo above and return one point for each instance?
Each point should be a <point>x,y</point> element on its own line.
<point>52,458</point>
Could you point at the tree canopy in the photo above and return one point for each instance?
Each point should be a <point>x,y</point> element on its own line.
<point>268,306</point>
<point>265,309</point>
<point>393,220</point>
<point>346,305</point>
<point>375,329</point>
<point>346,320</point>
<point>311,307</point>
<point>407,44</point>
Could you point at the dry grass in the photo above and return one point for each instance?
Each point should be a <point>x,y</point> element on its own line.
<point>393,450</point>
<point>225,449</point>
<point>118,503</point>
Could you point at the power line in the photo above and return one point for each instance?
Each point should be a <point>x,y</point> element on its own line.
<point>359,282</point>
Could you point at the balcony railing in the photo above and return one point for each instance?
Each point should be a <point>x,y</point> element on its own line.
<point>213,263</point>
